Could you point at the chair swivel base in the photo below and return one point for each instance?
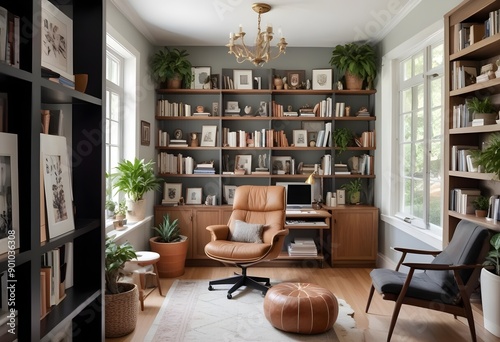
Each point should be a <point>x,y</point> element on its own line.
<point>240,280</point>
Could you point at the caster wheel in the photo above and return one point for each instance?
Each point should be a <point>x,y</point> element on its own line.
<point>264,293</point>
<point>268,284</point>
<point>210,288</point>
<point>229,296</point>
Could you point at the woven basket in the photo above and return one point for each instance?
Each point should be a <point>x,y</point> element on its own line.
<point>121,311</point>
<point>353,82</point>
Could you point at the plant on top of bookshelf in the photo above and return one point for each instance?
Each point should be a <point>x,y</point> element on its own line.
<point>171,65</point>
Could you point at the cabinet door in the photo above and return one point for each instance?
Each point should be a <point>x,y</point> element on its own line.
<point>185,218</point>
<point>201,236</point>
<point>354,236</point>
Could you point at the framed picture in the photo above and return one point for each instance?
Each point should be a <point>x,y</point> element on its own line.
<point>57,184</point>
<point>208,135</point>
<point>193,195</point>
<point>214,81</point>
<point>281,165</point>
<point>341,196</point>
<point>57,41</point>
<point>262,111</point>
<point>215,108</point>
<point>9,192</point>
<point>201,77</point>
<point>229,191</point>
<point>242,79</point>
<point>294,78</point>
<point>322,79</point>
<point>172,192</point>
<point>300,138</point>
<point>145,133</point>
<point>233,106</point>
<point>243,162</point>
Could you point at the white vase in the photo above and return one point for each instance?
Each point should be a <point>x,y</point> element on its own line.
<point>490,296</point>
<point>136,210</point>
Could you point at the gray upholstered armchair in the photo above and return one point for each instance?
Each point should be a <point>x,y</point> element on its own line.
<point>449,280</point>
<point>255,233</point>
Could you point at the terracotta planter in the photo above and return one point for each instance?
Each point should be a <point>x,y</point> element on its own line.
<point>353,82</point>
<point>120,311</point>
<point>481,213</point>
<point>174,83</point>
<point>172,257</point>
<point>490,283</point>
<point>137,211</point>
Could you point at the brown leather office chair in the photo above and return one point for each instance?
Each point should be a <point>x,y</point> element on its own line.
<point>446,283</point>
<point>255,233</point>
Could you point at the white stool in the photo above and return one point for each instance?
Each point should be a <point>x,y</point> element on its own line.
<point>142,266</point>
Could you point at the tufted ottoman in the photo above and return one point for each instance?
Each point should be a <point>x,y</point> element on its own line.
<point>301,308</point>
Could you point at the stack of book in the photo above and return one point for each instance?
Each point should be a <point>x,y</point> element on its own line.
<point>204,168</point>
<point>178,143</point>
<point>341,169</point>
<point>302,247</point>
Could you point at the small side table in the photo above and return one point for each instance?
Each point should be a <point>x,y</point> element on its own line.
<point>140,267</point>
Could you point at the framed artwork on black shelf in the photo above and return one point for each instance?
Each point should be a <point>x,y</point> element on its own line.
<point>300,138</point>
<point>229,191</point>
<point>145,133</point>
<point>172,192</point>
<point>201,77</point>
<point>57,41</point>
<point>9,193</point>
<point>341,196</point>
<point>193,195</point>
<point>243,79</point>
<point>57,184</point>
<point>243,164</point>
<point>281,165</point>
<point>322,79</point>
<point>208,135</point>
<point>295,78</point>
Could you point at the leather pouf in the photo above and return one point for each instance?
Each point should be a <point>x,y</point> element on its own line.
<point>301,308</point>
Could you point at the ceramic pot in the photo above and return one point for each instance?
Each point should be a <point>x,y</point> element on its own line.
<point>490,296</point>
<point>278,83</point>
<point>81,81</point>
<point>174,83</point>
<point>137,210</point>
<point>172,256</point>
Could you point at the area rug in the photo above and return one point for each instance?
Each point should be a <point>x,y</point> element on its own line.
<point>190,312</point>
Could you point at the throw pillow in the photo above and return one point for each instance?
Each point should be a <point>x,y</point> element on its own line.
<point>247,232</point>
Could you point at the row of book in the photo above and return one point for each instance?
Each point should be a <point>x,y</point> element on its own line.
<point>167,108</point>
<point>56,275</point>
<point>10,27</point>
<point>257,138</point>
<point>367,139</point>
<point>302,247</point>
<point>466,34</point>
<point>462,158</point>
<point>461,200</point>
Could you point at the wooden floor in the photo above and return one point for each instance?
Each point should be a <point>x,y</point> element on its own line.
<point>351,284</point>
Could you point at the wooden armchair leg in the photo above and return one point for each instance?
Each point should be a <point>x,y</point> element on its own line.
<point>370,296</point>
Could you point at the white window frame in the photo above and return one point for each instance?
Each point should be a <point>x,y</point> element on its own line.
<point>389,131</point>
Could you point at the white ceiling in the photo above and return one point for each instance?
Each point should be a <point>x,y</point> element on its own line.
<point>313,23</point>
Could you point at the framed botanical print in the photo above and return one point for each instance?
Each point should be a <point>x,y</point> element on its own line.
<point>172,192</point>
<point>193,195</point>
<point>208,135</point>
<point>322,79</point>
<point>229,191</point>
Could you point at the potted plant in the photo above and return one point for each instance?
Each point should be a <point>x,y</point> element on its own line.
<point>110,206</point>
<point>353,189</point>
<point>490,283</point>
<point>482,109</point>
<point>481,204</point>
<point>135,178</point>
<point>489,158</point>
<point>172,247</point>
<point>342,137</point>
<point>359,63</point>
<point>121,299</point>
<point>120,215</point>
<point>171,65</point>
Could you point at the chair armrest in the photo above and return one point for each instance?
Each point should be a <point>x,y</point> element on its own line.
<point>218,231</point>
<point>440,267</point>
<point>416,251</point>
<point>278,235</point>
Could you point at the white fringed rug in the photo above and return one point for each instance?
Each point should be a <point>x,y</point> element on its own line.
<point>190,312</point>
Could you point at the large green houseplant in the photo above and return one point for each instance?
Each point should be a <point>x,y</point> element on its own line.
<point>358,61</point>
<point>489,157</point>
<point>172,247</point>
<point>171,65</point>
<point>490,283</point>
<point>135,178</point>
<point>121,299</point>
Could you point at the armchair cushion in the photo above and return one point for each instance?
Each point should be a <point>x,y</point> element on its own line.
<point>247,232</point>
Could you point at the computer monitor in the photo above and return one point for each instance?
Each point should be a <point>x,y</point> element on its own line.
<point>298,195</point>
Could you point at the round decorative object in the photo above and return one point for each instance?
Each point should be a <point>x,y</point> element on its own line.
<point>200,109</point>
<point>178,134</point>
<point>302,308</point>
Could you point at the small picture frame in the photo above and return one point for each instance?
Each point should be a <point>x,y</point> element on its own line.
<point>243,79</point>
<point>214,81</point>
<point>172,192</point>
<point>229,191</point>
<point>208,135</point>
<point>294,78</point>
<point>201,77</point>
<point>262,110</point>
<point>215,108</point>
<point>243,164</point>
<point>322,79</point>
<point>341,196</point>
<point>281,165</point>
<point>300,138</point>
<point>193,195</point>
<point>145,133</point>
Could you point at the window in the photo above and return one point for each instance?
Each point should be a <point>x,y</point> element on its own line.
<point>420,137</point>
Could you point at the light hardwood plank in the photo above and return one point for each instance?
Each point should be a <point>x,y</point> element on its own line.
<point>352,284</point>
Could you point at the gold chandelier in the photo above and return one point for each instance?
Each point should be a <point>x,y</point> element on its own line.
<point>261,52</point>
